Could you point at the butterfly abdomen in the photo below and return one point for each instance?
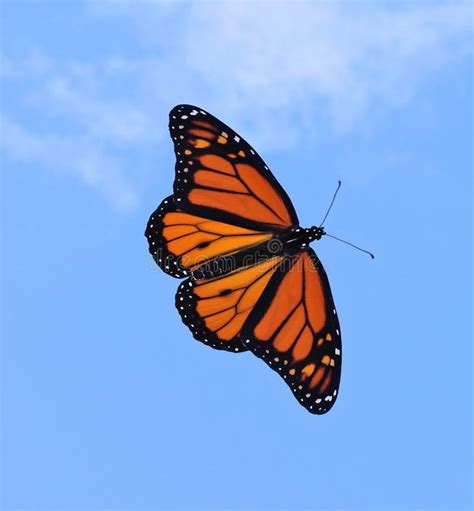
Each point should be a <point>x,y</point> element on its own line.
<point>232,262</point>
<point>287,242</point>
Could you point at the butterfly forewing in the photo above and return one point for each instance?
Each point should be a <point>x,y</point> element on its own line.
<point>218,174</point>
<point>294,328</point>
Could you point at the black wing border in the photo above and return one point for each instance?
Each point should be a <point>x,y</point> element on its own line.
<point>157,244</point>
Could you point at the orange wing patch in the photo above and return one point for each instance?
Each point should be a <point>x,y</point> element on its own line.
<point>181,242</point>
<point>297,334</point>
<point>216,310</point>
<point>207,239</point>
<point>236,188</point>
<point>300,309</point>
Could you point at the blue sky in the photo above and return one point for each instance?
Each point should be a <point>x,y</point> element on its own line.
<point>107,401</point>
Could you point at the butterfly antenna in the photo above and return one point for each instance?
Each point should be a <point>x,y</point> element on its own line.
<point>350,244</point>
<point>332,202</point>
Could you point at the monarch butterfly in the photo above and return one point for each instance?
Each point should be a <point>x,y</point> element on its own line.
<point>252,281</point>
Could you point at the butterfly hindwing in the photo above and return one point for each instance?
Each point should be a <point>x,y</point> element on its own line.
<point>216,310</point>
<point>181,242</point>
<point>294,328</point>
<point>219,175</point>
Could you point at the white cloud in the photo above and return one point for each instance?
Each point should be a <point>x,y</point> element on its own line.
<point>111,120</point>
<point>306,67</point>
<point>70,155</point>
<point>313,58</point>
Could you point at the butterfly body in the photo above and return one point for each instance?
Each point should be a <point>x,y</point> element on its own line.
<point>286,243</point>
<point>252,283</point>
<point>299,238</point>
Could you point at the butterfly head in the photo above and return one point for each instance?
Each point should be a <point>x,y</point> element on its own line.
<point>315,233</point>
